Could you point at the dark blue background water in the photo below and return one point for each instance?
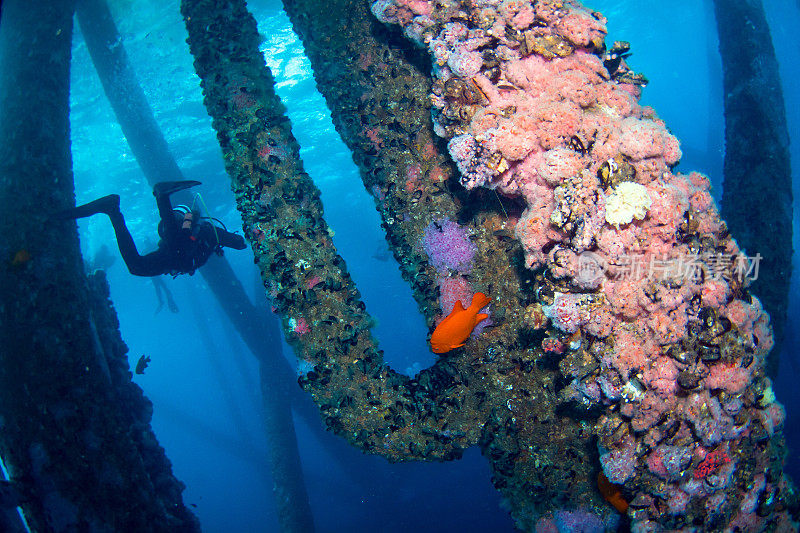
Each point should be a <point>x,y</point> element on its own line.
<point>203,381</point>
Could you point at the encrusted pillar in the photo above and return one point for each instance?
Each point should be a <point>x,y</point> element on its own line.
<point>757,192</point>
<point>498,391</point>
<point>75,432</point>
<point>582,367</point>
<point>377,86</point>
<point>282,214</point>
<point>152,154</point>
<point>536,105</point>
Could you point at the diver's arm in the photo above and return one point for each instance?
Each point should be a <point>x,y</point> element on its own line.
<point>231,240</point>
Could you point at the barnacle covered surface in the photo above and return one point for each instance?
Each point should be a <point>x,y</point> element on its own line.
<point>457,402</point>
<point>647,293</point>
<point>536,398</point>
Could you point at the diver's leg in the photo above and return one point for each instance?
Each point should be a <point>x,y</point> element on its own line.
<point>165,209</point>
<point>168,225</point>
<point>107,204</point>
<point>138,265</point>
<point>152,264</point>
<point>157,284</point>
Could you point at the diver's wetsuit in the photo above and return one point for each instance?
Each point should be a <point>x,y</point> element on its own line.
<point>181,250</point>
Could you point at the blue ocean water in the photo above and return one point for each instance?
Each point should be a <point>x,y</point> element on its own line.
<point>203,381</point>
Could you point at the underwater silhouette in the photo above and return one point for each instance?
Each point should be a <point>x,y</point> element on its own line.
<point>187,239</point>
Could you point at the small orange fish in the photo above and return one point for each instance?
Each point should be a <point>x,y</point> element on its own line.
<point>612,493</point>
<point>21,257</point>
<point>455,329</point>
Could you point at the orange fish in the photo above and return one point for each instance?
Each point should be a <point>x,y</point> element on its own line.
<point>612,493</point>
<point>455,329</point>
<point>21,257</point>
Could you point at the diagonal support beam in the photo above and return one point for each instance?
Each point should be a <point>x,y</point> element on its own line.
<point>282,213</point>
<point>757,196</point>
<point>152,153</point>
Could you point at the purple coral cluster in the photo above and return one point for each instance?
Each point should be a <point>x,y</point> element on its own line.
<point>448,246</point>
<point>577,521</point>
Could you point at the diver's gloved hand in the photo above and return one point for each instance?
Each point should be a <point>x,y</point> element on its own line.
<point>231,240</point>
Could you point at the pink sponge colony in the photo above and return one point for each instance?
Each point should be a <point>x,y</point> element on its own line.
<point>448,246</point>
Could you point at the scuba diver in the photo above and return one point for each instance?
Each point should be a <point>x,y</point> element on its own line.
<point>161,291</point>
<point>187,239</point>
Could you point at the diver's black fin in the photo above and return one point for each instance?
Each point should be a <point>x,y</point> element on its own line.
<point>107,204</point>
<point>168,187</point>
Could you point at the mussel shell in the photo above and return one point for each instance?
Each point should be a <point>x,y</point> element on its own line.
<point>709,352</point>
<point>689,380</point>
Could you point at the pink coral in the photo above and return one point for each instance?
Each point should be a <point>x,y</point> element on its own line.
<point>728,377</point>
<point>453,289</point>
<point>750,502</point>
<point>662,377</point>
<point>301,326</point>
<point>714,292</point>
<point>630,348</point>
<point>715,502</point>
<point>546,524</point>
<point>625,296</point>
<point>465,63</point>
<point>772,417</point>
<point>549,344</point>
<point>708,419</point>
<point>581,27</point>
<point>524,16</point>
<point>752,523</point>
<point>677,501</point>
<point>642,138</point>
<point>668,327</point>
<point>619,464</point>
<point>511,139</point>
<point>668,205</point>
<point>741,314</point>
<point>568,312</point>
<point>649,411</point>
<point>420,7</point>
<point>466,151</point>
<point>578,521</point>
<point>668,462</point>
<point>558,164</point>
<point>762,335</point>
